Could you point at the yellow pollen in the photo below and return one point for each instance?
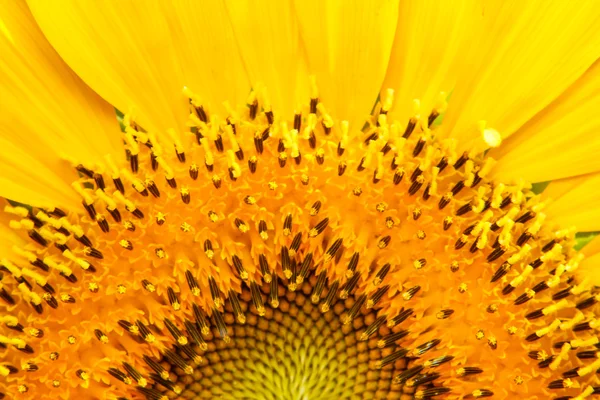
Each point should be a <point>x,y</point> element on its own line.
<point>519,380</point>
<point>160,218</point>
<point>34,332</point>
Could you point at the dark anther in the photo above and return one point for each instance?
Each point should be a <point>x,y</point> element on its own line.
<point>522,299</point>
<point>562,294</point>
<point>90,209</point>
<point>458,187</point>
<point>312,140</point>
<point>313,105</point>
<point>418,147</point>
<point>525,236</point>
<point>84,171</point>
<point>99,179</point>
<point>473,247</point>
<point>119,185</point>
<point>572,373</point>
<point>282,159</point>
<point>219,144</point>
<point>36,237</point>
<point>201,114</point>
<point>252,110</point>
<point>414,188</point>
<point>409,128</point>
<point>185,196</point>
<point>525,217</point>
<point>442,164</point>
<point>545,363</point>
<point>398,176</point>
<point>476,180</point>
<point>386,148</point>
<point>180,156</point>
<point>426,346</point>
<point>57,212</point>
<point>240,154</point>
<point>381,274</point>
<point>152,188</point>
<point>586,303</point>
<point>501,271</point>
<point>549,246</point>
<point>586,355</point>
<point>536,263</point>
<point>297,122</point>
<point>171,182</point>
<point>447,223</point>
<point>535,314</point>
<point>416,173</point>
<point>508,289</point>
<point>584,326</point>
<point>464,209</point>
<point>461,161</point>
<point>533,337</point>
<point>103,223</point>
<point>133,162</point>
<point>496,254</point>
<point>407,374</point>
<point>258,144</point>
<point>360,166</point>
<point>460,243</point>
<point>444,201</point>
<point>115,214</point>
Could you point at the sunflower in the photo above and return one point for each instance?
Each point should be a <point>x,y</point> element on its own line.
<point>299,200</point>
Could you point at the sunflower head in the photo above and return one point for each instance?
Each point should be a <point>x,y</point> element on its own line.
<point>264,233</point>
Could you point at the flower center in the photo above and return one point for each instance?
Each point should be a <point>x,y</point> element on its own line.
<point>294,351</point>
<point>298,259</point>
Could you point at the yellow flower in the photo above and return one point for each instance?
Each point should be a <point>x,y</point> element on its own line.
<point>306,200</point>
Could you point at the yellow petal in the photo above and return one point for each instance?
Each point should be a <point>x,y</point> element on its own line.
<point>425,54</point>
<point>269,42</point>
<point>588,268</point>
<point>125,52</point>
<point>592,248</point>
<point>348,44</point>
<point>556,189</point>
<point>562,140</point>
<point>48,113</point>
<point>29,178</point>
<point>578,205</point>
<point>204,42</point>
<point>521,57</point>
